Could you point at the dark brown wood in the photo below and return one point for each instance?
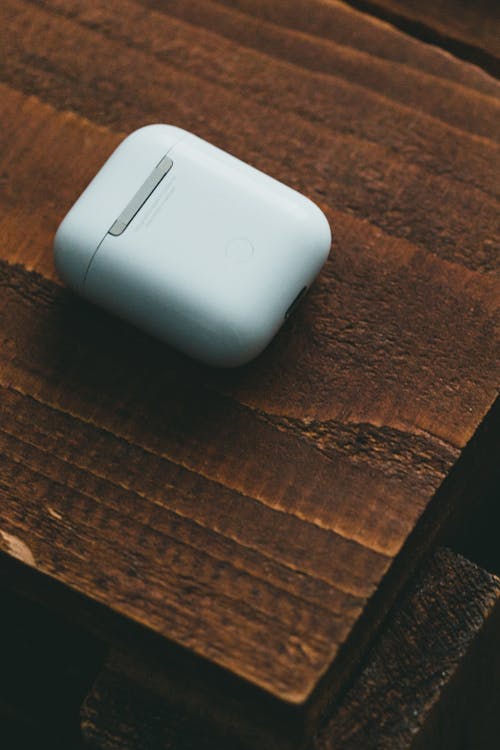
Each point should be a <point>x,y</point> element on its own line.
<point>248,517</point>
<point>470,30</point>
<point>432,680</point>
<point>424,684</point>
<point>322,29</point>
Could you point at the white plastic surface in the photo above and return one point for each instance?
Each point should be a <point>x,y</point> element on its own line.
<point>210,263</point>
<point>88,221</point>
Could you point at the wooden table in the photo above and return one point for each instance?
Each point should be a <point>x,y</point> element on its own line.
<point>249,529</point>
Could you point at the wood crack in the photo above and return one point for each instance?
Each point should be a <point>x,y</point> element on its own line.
<point>429,456</point>
<point>467,51</point>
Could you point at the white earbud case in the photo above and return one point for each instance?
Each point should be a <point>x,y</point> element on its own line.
<point>192,245</point>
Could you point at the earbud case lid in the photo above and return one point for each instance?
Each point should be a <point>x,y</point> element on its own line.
<point>91,217</point>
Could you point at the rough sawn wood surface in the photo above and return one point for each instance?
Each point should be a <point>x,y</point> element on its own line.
<point>246,516</point>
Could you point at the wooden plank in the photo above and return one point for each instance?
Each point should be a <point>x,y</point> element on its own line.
<point>326,24</point>
<point>391,135</point>
<point>432,679</point>
<point>393,128</point>
<point>425,665</point>
<point>470,30</point>
<point>247,517</point>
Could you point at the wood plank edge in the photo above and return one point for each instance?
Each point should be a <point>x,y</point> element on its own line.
<point>467,482</point>
<point>466,51</point>
<point>427,672</point>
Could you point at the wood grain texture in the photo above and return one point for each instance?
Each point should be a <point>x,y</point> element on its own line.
<point>334,23</point>
<point>409,689</point>
<point>425,666</point>
<point>248,516</point>
<point>470,30</point>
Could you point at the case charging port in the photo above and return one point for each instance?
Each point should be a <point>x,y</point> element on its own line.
<point>295,302</point>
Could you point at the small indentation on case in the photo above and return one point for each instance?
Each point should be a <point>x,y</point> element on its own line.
<point>239,249</point>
